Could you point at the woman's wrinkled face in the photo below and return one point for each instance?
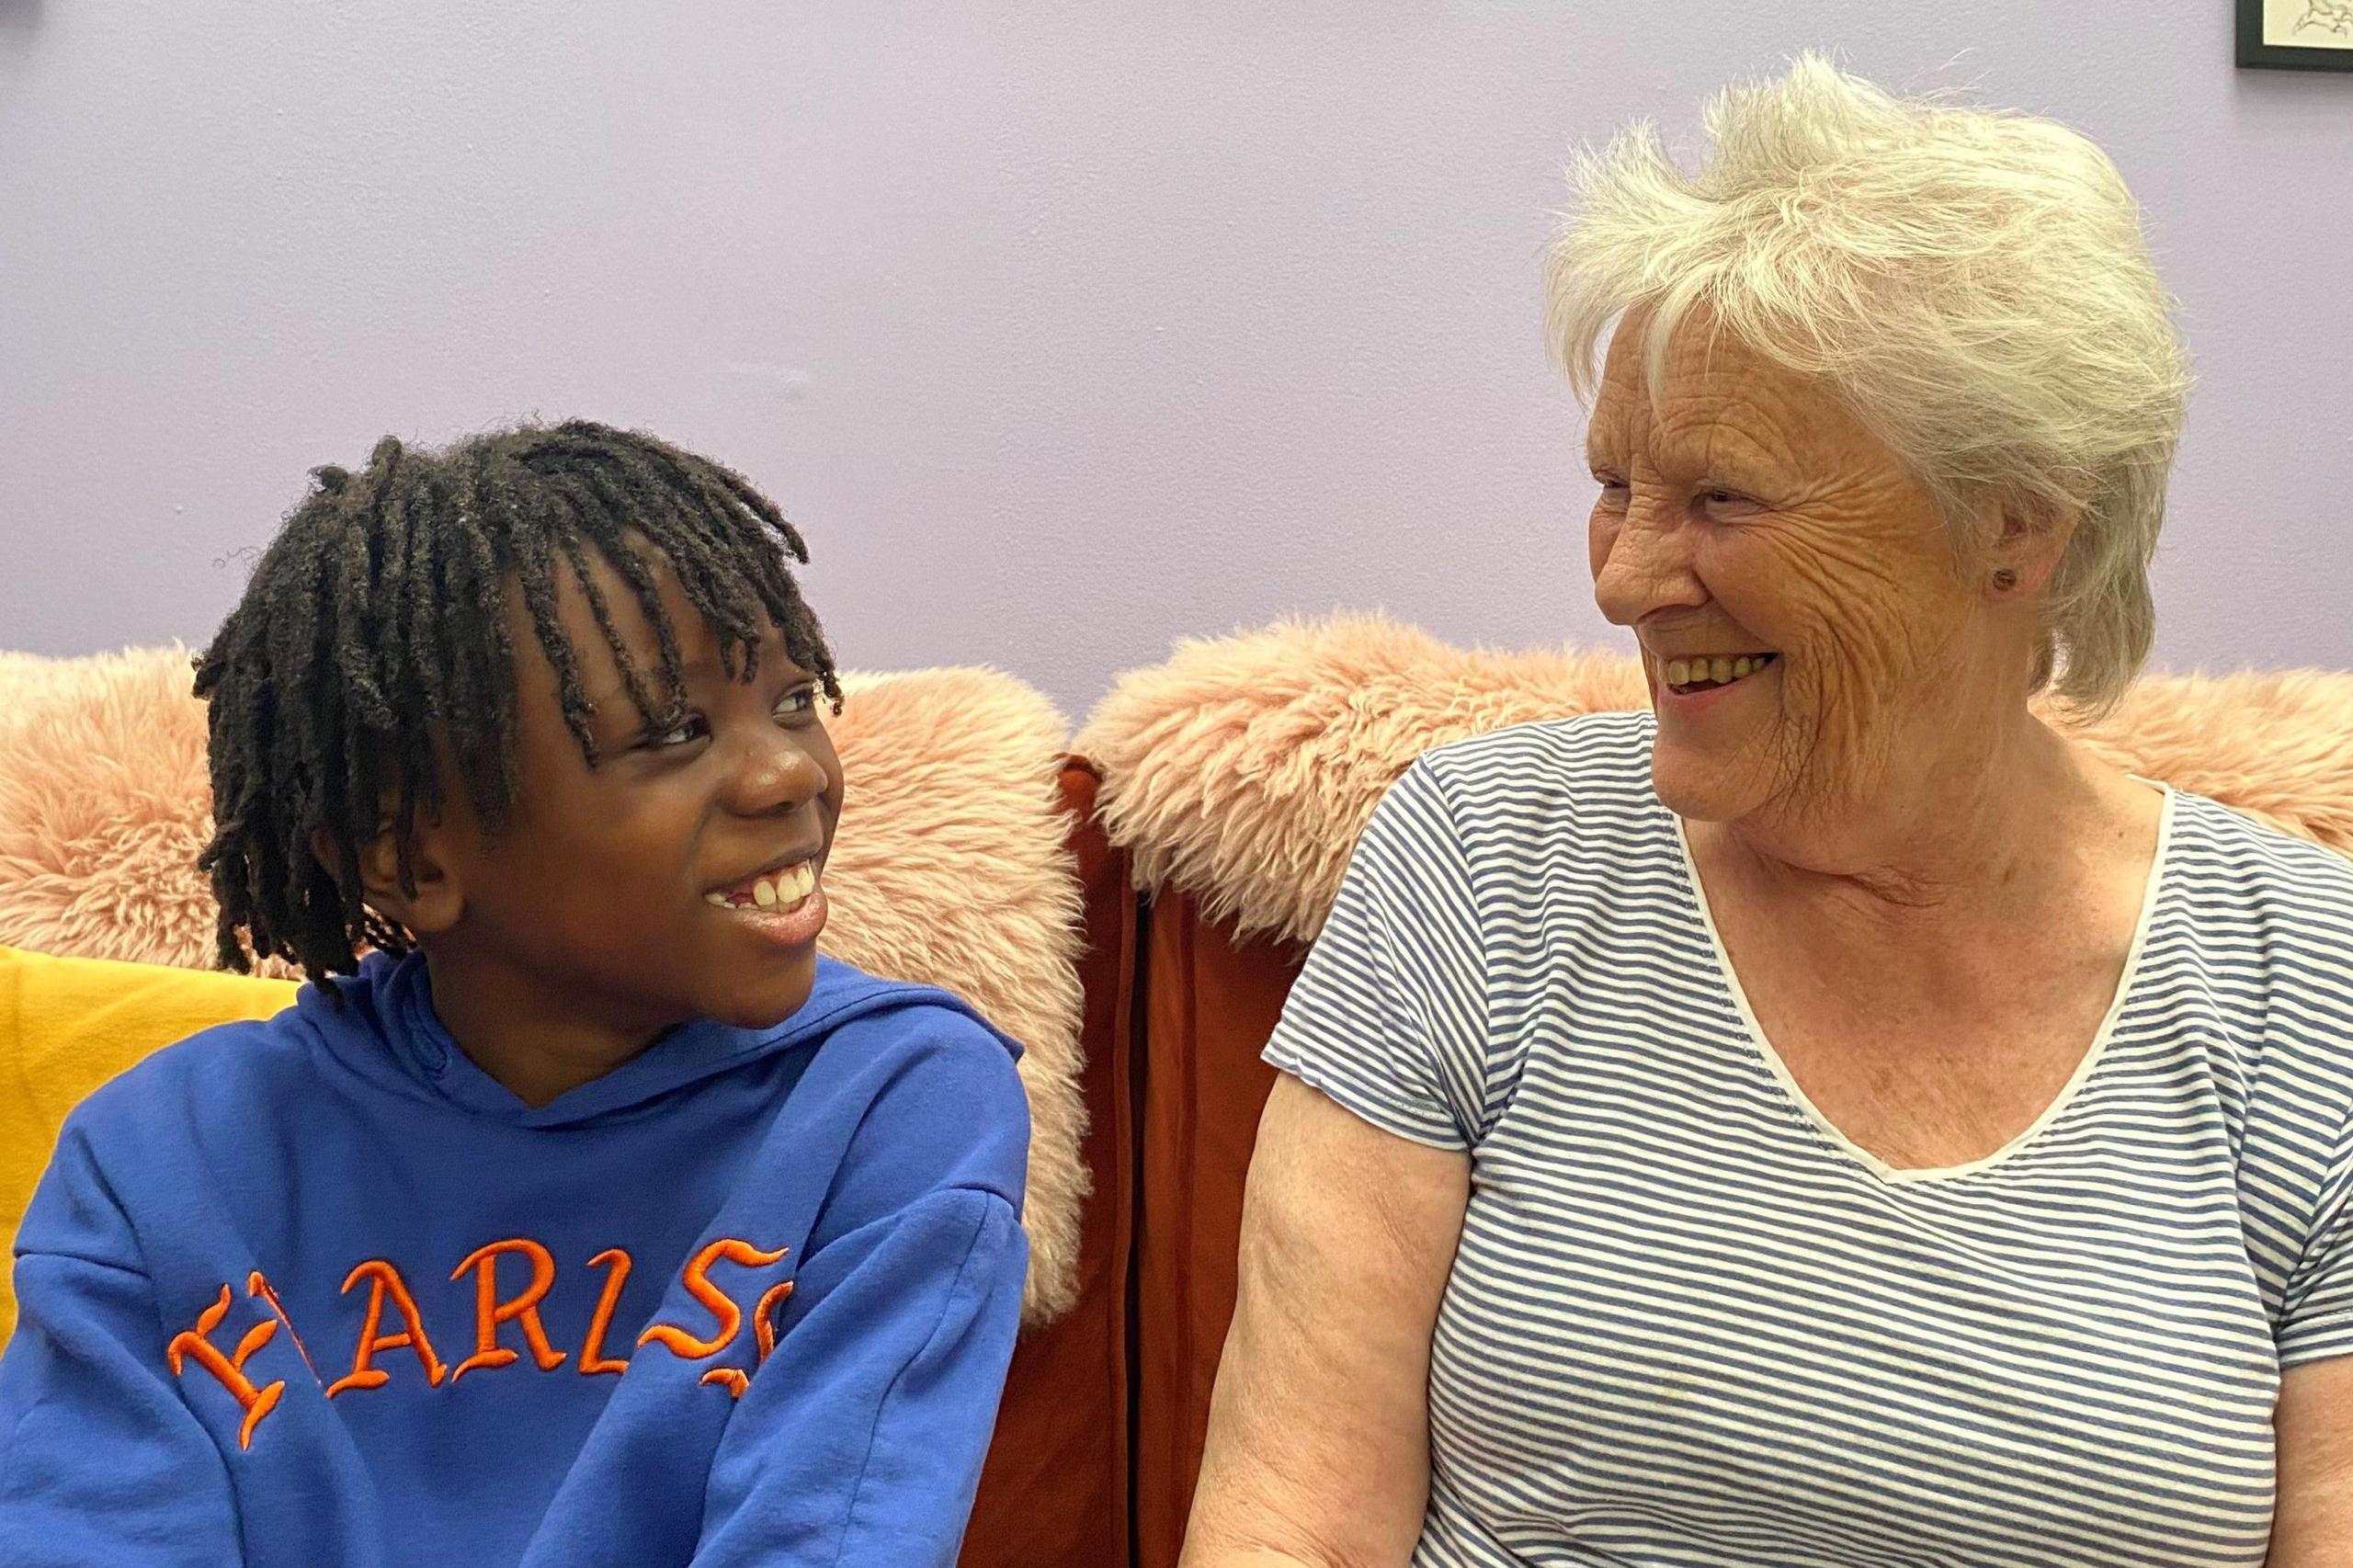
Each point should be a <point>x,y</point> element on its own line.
<point>1805,620</point>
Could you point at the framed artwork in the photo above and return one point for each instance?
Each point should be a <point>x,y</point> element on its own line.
<point>2296,35</point>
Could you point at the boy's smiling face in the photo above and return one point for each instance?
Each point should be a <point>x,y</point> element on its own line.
<point>620,899</point>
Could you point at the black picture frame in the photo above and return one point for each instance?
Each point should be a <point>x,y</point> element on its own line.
<point>2255,54</point>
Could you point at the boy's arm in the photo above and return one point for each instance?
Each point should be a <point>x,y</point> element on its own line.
<point>861,1436</point>
<point>101,1461</point>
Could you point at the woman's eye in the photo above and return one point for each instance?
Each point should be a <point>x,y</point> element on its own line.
<point>800,701</point>
<point>1721,500</point>
<point>1612,487</point>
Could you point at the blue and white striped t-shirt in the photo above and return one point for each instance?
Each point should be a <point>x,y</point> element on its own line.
<point>1690,1323</point>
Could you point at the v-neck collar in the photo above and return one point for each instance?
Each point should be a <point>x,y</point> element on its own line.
<point>2152,895</point>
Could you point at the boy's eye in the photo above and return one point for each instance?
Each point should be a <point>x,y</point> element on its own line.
<point>686,731</point>
<point>801,700</point>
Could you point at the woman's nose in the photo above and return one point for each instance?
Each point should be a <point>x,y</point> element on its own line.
<point>1645,566</point>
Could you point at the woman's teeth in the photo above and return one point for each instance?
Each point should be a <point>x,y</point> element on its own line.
<point>1682,673</point>
<point>780,890</point>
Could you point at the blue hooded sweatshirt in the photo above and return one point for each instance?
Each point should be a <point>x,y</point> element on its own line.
<point>318,1291</point>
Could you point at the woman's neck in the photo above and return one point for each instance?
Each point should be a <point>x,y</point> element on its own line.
<point>1945,839</point>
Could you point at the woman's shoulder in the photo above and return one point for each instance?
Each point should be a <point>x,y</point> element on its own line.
<point>1528,777</point>
<point>1611,744</point>
<point>2265,920</point>
<point>2230,867</point>
<point>1578,787</point>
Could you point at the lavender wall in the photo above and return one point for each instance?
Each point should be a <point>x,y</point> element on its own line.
<point>1064,330</point>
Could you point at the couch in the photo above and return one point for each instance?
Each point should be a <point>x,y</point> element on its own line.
<point>1175,863</point>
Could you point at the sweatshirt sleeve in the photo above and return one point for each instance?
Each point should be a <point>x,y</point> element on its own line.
<point>861,1436</point>
<point>101,1461</point>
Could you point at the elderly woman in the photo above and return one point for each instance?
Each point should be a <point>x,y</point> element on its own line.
<point>1830,1120</point>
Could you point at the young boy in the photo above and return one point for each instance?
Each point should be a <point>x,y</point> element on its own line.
<point>592,1218</point>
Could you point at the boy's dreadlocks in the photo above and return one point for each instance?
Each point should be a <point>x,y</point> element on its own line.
<point>374,630</point>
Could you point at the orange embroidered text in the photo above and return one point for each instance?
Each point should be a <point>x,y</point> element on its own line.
<point>593,1358</point>
<point>490,1311</point>
<point>257,1286</point>
<point>696,1279</point>
<point>383,1280</point>
<point>499,1303</point>
<point>764,1318</point>
<point>196,1344</point>
<point>734,1379</point>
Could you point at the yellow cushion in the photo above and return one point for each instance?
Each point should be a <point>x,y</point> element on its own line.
<point>67,1026</point>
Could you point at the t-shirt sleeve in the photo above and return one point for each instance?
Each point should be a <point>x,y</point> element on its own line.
<point>1389,1017</point>
<point>2316,1309</point>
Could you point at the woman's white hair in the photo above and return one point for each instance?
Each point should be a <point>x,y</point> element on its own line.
<point>1974,283</point>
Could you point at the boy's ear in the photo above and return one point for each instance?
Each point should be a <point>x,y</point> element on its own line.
<point>436,901</point>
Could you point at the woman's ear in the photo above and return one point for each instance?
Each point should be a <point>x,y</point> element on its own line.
<point>430,904</point>
<point>2027,550</point>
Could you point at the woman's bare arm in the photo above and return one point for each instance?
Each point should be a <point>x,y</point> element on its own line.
<point>2315,1525</point>
<point>1318,1453</point>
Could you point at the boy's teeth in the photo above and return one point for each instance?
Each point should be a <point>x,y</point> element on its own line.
<point>777,889</point>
